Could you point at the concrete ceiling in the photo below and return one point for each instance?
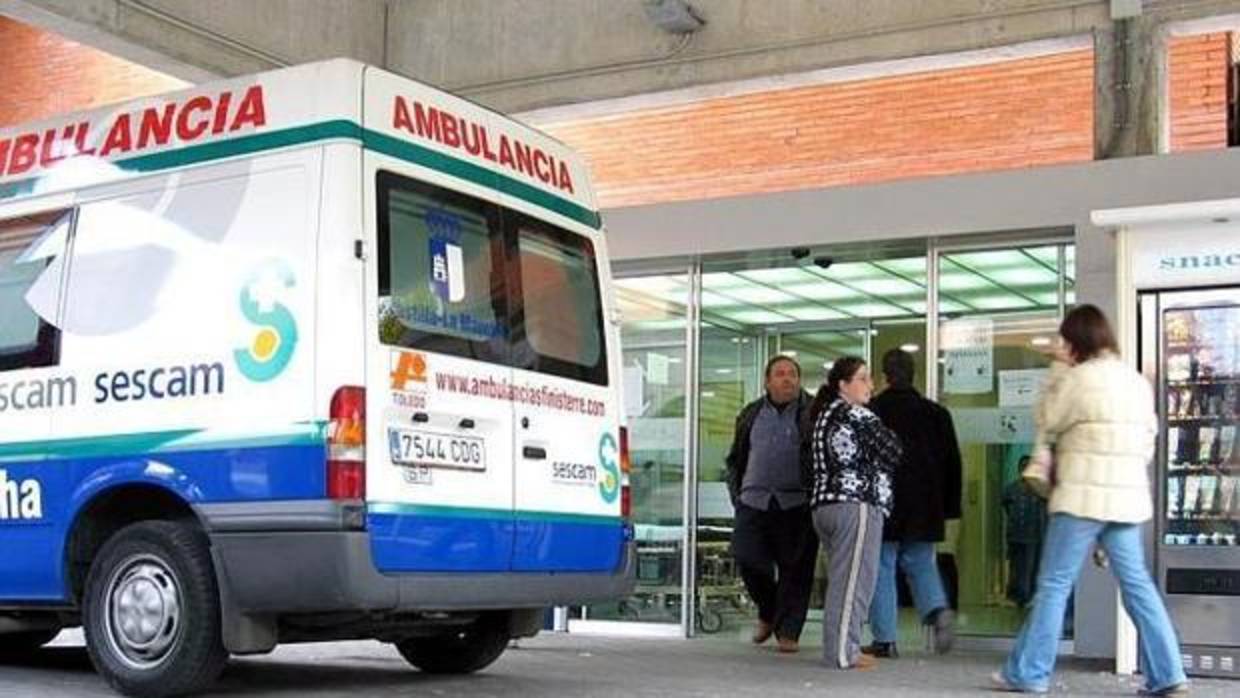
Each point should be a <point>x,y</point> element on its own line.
<point>517,55</point>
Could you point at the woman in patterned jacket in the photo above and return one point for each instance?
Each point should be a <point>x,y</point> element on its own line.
<point>852,458</point>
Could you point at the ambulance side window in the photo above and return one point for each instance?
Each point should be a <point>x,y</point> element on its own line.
<point>441,271</point>
<point>559,327</point>
<point>30,249</point>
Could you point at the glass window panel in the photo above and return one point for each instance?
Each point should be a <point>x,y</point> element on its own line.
<point>890,286</point>
<point>718,300</point>
<point>955,279</point>
<point>912,267</point>
<point>990,260</point>
<point>813,312</point>
<point>441,285</point>
<point>1000,340</point>
<point>722,281</point>
<point>759,295</point>
<point>757,317</point>
<point>560,296</point>
<point>822,290</point>
<point>1031,275</point>
<point>853,271</point>
<point>1000,301</point>
<point>872,310</point>
<point>786,275</point>
<point>654,387</point>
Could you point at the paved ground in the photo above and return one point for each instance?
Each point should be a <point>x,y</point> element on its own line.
<point>574,666</point>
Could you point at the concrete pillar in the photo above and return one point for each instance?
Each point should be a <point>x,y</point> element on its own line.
<point>1130,80</point>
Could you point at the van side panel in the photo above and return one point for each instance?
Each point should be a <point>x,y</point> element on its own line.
<point>187,329</point>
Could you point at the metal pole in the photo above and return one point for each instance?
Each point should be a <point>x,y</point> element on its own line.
<point>932,321</point>
<point>688,562</point>
<point>1063,281</point>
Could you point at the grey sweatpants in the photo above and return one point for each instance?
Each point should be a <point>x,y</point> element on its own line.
<point>852,536</point>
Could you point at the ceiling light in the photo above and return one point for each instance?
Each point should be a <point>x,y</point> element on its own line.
<point>673,16</point>
<point>708,394</point>
<point>790,353</point>
<point>723,371</point>
<point>910,348</point>
<point>1040,341</point>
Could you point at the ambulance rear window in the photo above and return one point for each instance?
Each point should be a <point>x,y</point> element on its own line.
<point>441,279</point>
<point>560,296</point>
<point>28,247</point>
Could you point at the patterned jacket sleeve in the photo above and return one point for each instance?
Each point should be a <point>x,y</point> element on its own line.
<point>887,450</point>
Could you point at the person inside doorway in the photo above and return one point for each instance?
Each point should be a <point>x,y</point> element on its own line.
<point>772,537</point>
<point>853,458</point>
<point>1024,522</point>
<point>927,495</point>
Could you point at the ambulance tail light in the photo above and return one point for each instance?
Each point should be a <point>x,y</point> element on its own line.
<point>346,444</point>
<point>626,493</point>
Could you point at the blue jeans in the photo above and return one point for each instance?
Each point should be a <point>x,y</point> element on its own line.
<point>921,571</point>
<point>1068,540</point>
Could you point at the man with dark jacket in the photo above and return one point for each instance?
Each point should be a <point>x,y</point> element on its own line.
<point>773,537</point>
<point>927,494</point>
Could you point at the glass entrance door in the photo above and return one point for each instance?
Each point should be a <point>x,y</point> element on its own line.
<point>654,341</point>
<point>998,312</point>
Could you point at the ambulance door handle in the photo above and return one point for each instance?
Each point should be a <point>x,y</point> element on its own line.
<point>534,453</point>
<point>466,423</point>
<point>421,417</point>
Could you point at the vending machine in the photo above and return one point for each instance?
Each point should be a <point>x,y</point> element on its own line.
<point>1190,350</point>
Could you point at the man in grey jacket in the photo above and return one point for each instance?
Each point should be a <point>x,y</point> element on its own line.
<point>773,538</point>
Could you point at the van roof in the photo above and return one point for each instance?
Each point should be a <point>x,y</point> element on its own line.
<point>338,99</point>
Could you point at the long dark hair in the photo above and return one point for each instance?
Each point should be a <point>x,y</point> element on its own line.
<point>842,370</point>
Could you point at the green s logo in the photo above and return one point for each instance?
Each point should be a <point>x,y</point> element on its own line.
<point>272,347</point>
<point>609,483</point>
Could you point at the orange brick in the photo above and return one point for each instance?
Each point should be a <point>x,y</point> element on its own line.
<point>45,75</point>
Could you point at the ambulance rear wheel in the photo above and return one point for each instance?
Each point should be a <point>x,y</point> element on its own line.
<point>151,611</point>
<point>463,651</point>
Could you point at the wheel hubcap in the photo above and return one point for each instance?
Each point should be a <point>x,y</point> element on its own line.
<point>143,611</point>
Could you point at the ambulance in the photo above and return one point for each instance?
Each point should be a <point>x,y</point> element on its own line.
<point>318,354</point>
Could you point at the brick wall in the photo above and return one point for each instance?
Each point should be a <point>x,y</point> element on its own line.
<point>1012,114</point>
<point>44,74</point>
<point>1197,72</point>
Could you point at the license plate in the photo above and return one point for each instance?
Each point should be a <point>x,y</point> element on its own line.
<point>433,449</point>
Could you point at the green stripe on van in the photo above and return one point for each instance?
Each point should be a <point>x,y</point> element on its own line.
<point>341,129</point>
<point>244,145</point>
<point>171,441</point>
<point>481,513</point>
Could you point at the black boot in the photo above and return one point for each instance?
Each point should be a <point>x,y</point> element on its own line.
<point>884,650</point>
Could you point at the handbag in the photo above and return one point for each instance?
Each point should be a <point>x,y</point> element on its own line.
<point>1039,475</point>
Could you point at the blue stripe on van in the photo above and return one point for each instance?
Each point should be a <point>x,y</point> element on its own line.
<point>31,567</point>
<point>416,538</point>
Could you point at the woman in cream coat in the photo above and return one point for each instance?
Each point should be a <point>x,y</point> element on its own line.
<point>1098,413</point>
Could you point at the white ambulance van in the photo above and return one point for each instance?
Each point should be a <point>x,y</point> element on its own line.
<point>318,354</point>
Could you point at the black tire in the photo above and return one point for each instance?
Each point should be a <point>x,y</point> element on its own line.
<point>463,651</point>
<point>710,621</point>
<point>25,642</point>
<point>154,578</point>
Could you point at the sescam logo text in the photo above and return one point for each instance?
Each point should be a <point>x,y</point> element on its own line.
<point>20,499</point>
